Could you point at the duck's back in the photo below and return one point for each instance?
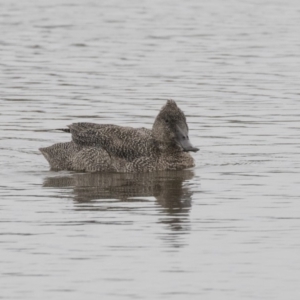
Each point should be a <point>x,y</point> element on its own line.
<point>123,142</point>
<point>103,148</point>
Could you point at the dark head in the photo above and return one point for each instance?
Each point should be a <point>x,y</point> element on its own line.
<point>170,127</point>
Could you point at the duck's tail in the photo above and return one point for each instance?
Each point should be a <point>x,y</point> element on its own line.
<point>59,155</point>
<point>64,129</point>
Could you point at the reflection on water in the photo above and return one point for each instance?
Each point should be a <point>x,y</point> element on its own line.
<point>168,188</point>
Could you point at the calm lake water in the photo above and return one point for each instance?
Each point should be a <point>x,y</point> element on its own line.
<point>228,228</point>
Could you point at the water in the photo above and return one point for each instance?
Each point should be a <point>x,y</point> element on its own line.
<point>227,229</point>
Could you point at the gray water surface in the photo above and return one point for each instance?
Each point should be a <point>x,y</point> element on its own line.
<point>228,228</point>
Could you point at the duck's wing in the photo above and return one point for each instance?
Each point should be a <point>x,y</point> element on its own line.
<point>84,125</point>
<point>123,142</point>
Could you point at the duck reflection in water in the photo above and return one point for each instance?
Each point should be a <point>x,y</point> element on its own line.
<point>169,188</point>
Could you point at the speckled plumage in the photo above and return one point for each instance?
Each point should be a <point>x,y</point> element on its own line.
<point>112,148</point>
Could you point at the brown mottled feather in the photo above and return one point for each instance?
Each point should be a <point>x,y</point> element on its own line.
<point>112,148</point>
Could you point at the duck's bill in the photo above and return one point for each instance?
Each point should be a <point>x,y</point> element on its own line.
<point>184,141</point>
<point>187,146</point>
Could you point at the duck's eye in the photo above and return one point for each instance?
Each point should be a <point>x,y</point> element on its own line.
<point>166,120</point>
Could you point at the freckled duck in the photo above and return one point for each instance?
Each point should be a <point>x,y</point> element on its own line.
<point>112,148</point>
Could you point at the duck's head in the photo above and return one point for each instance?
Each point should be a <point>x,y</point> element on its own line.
<point>170,127</point>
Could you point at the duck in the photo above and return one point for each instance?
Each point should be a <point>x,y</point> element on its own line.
<point>112,148</point>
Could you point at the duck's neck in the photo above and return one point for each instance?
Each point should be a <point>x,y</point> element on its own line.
<point>169,148</point>
<point>164,140</point>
